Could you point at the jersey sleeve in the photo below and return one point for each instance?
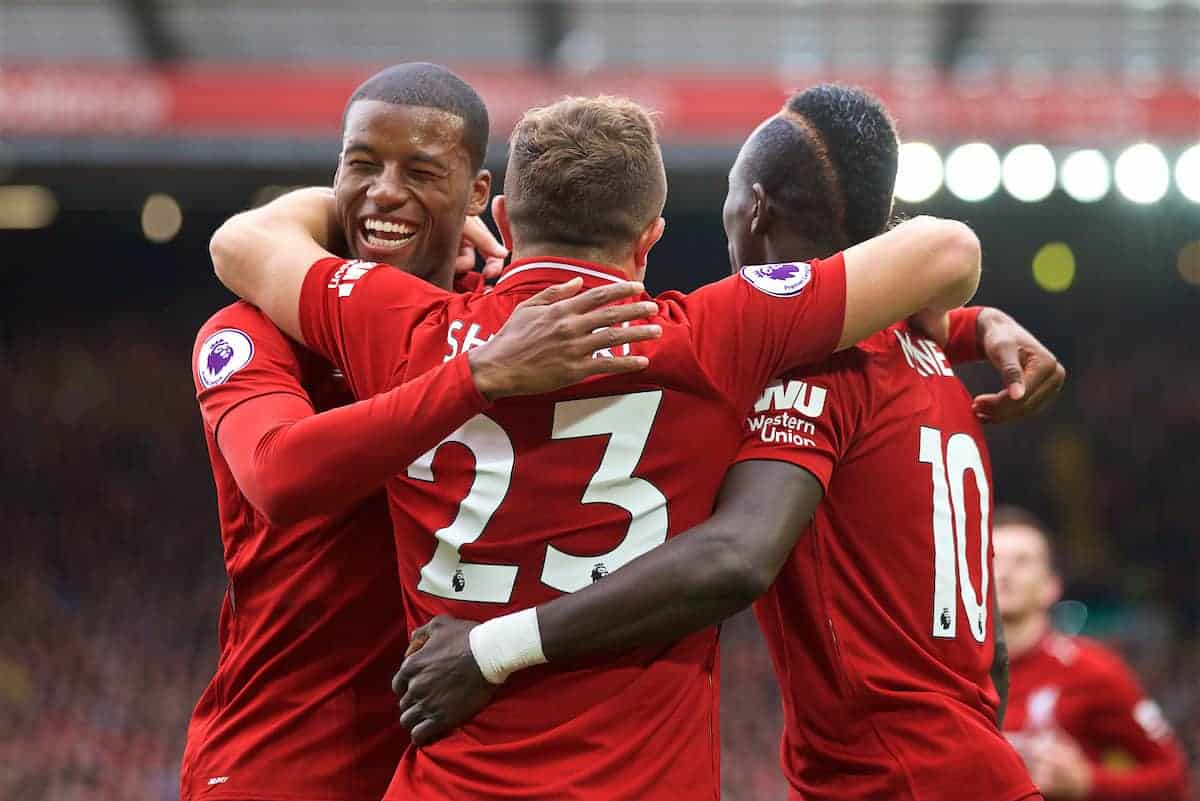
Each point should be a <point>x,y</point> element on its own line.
<point>359,315</point>
<point>291,463</point>
<point>963,346</point>
<point>766,319</point>
<point>239,354</point>
<point>807,418</point>
<point>1135,730</point>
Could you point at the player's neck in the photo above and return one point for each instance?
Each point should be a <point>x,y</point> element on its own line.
<point>590,255</point>
<point>443,277</point>
<point>1025,633</point>
<point>783,245</point>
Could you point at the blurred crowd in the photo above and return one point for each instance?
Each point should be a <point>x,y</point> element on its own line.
<point>111,577</point>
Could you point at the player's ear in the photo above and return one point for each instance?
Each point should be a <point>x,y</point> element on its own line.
<point>645,241</point>
<point>760,213</point>
<point>481,187</point>
<point>500,215</point>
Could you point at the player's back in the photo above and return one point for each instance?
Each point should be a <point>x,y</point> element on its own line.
<point>880,623</point>
<point>545,495</point>
<point>311,626</point>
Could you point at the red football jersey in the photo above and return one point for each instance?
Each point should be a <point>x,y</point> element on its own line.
<point>542,496</point>
<point>1078,686</point>
<point>879,624</point>
<point>311,627</point>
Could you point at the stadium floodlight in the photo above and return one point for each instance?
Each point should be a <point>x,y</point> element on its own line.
<point>1086,176</point>
<point>1054,267</point>
<point>1187,173</point>
<point>161,218</point>
<point>26,207</point>
<point>920,173</point>
<point>1028,172</point>
<point>1142,173</point>
<point>973,172</point>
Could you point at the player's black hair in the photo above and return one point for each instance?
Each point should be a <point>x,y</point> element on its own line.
<point>829,159</point>
<point>431,86</point>
<point>1009,515</point>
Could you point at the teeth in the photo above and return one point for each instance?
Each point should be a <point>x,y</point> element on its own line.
<point>386,244</point>
<point>389,227</point>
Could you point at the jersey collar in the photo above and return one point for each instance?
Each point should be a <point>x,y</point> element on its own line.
<point>546,271</point>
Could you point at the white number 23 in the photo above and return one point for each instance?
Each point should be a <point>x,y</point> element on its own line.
<point>626,419</point>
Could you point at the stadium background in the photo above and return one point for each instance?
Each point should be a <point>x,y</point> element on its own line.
<point>129,130</point>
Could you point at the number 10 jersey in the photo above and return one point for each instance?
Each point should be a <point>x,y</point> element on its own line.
<point>541,496</point>
<point>880,623</point>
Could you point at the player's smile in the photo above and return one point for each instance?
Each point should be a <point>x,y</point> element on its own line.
<point>383,238</point>
<point>404,186</point>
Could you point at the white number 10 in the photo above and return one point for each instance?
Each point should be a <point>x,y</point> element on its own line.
<point>950,535</point>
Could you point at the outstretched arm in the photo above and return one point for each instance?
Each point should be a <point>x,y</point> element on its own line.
<point>263,254</point>
<point>924,263</point>
<point>292,463</point>
<point>697,578</point>
<point>694,580</point>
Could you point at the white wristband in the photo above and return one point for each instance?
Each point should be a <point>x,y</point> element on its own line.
<point>506,644</point>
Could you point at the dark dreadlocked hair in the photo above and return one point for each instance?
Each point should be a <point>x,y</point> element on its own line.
<point>829,161</point>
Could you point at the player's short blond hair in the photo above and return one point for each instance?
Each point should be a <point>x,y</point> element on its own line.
<point>585,172</point>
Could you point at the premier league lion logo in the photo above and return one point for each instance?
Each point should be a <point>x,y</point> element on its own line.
<point>219,356</point>
<point>780,280</point>
<point>222,355</point>
<point>779,272</point>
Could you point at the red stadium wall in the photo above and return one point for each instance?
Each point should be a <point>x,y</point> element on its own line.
<point>307,101</point>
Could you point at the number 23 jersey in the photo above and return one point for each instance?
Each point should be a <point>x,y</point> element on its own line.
<point>880,623</point>
<point>544,495</point>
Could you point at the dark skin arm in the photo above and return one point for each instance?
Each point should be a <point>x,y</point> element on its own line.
<point>999,661</point>
<point>694,580</point>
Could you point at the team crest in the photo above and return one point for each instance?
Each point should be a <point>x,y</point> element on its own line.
<point>778,280</point>
<point>222,355</point>
<point>1040,707</point>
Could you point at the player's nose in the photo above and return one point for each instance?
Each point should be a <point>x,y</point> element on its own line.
<point>388,190</point>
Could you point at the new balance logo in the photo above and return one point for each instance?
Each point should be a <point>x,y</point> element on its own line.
<point>799,396</point>
<point>344,278</point>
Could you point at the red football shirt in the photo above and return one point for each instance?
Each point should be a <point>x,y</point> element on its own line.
<point>311,627</point>
<point>879,624</point>
<point>1084,689</point>
<point>544,495</point>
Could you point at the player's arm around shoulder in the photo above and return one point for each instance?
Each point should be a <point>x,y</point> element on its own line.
<point>923,263</point>
<point>695,579</point>
<point>263,255</point>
